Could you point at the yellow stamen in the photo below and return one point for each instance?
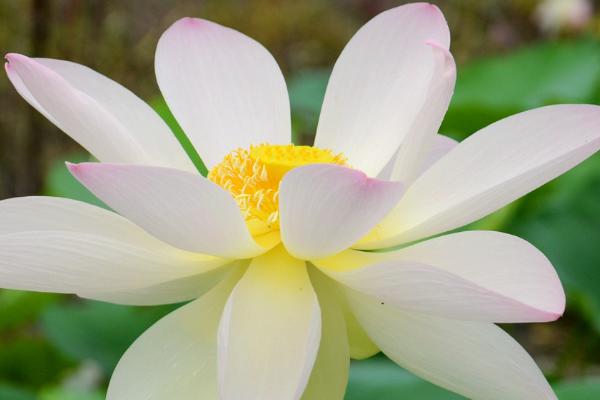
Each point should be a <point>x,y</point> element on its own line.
<point>253,176</point>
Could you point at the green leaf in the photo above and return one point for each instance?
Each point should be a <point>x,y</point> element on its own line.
<point>307,90</point>
<point>20,307</point>
<point>98,331</point>
<point>69,394</point>
<point>547,73</point>
<point>582,389</point>
<point>13,393</point>
<point>381,379</point>
<point>30,361</point>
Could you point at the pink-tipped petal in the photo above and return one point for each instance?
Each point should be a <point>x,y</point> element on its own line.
<point>478,276</point>
<point>380,84</point>
<point>178,207</point>
<point>104,117</point>
<point>491,168</point>
<point>324,209</point>
<point>475,359</point>
<point>224,88</point>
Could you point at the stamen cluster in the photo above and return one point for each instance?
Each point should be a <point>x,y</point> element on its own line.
<point>253,176</point>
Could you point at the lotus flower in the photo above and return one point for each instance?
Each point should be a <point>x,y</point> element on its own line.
<point>274,247</point>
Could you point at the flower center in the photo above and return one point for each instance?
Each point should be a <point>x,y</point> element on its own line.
<point>253,175</point>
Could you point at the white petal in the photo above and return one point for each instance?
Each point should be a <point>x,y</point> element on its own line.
<point>270,330</point>
<point>490,169</point>
<point>178,207</point>
<point>440,146</point>
<point>169,292</point>
<point>477,275</point>
<point>475,359</point>
<point>380,84</point>
<point>415,147</point>
<point>224,88</point>
<point>329,376</point>
<point>65,246</point>
<point>325,208</point>
<point>437,148</point>
<point>104,117</point>
<point>176,358</point>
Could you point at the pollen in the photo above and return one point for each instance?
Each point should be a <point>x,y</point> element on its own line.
<point>252,176</point>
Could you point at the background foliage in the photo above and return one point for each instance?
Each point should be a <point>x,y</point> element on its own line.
<point>61,348</point>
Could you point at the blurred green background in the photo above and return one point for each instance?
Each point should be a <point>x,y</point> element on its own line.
<point>512,55</point>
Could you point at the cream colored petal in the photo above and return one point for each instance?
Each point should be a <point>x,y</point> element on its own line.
<point>329,376</point>
<point>177,357</point>
<point>270,331</point>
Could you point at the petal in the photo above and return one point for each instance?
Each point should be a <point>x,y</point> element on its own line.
<point>176,358</point>
<point>58,245</point>
<point>104,117</point>
<point>475,359</point>
<point>271,326</point>
<point>325,208</point>
<point>359,343</point>
<point>178,207</point>
<point>413,151</point>
<point>168,292</point>
<point>439,146</point>
<point>380,84</point>
<point>361,346</point>
<point>476,275</point>
<point>490,169</point>
<point>329,376</point>
<point>224,88</point>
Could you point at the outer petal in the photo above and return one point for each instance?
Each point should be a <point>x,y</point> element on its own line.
<point>326,208</point>
<point>329,376</point>
<point>270,330</point>
<point>490,169</point>
<point>107,119</point>
<point>169,292</point>
<point>413,151</point>
<point>477,360</point>
<point>180,208</point>
<point>380,84</point>
<point>224,88</point>
<point>476,275</point>
<point>65,246</point>
<point>176,358</point>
